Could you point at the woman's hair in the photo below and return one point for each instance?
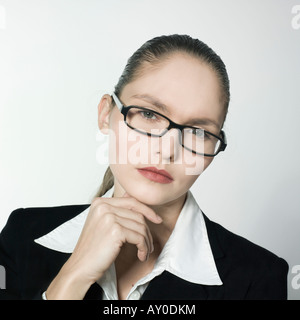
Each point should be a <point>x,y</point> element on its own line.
<point>155,51</point>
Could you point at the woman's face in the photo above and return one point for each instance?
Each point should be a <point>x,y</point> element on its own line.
<point>187,92</point>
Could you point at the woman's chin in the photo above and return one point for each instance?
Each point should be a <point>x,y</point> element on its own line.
<point>151,196</point>
<point>147,197</point>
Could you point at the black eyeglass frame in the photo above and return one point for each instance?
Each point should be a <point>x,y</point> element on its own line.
<point>172,125</point>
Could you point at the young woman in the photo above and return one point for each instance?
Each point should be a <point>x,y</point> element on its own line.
<point>144,236</point>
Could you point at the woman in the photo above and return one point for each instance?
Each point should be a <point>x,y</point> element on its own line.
<point>144,236</point>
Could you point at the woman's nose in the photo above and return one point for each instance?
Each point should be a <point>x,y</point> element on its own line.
<point>168,146</point>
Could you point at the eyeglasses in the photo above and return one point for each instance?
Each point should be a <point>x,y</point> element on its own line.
<point>154,124</point>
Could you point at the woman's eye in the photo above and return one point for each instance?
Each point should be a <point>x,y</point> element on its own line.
<point>148,115</point>
<point>199,133</point>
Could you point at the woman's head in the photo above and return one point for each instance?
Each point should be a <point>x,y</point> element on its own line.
<point>183,79</point>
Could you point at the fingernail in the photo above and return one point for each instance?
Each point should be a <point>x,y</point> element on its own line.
<point>159,218</point>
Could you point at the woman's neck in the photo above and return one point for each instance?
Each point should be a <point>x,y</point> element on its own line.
<point>169,213</point>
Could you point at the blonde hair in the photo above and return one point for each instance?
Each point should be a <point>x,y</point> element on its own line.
<point>107,183</point>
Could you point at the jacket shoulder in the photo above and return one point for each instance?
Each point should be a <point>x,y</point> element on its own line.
<point>239,247</point>
<point>36,221</point>
<point>25,263</point>
<point>264,271</point>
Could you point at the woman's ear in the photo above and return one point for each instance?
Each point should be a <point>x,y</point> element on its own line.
<point>104,109</point>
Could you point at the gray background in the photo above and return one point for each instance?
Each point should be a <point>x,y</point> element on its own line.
<point>58,57</point>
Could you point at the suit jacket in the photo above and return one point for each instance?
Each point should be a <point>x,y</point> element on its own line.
<point>246,270</point>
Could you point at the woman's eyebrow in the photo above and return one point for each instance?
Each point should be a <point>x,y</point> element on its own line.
<point>153,100</point>
<point>204,122</point>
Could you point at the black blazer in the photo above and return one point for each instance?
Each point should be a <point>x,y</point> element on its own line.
<point>246,270</point>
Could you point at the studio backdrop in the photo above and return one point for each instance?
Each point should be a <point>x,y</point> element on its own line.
<point>57,57</point>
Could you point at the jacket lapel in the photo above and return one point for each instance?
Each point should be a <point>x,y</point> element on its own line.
<point>170,287</point>
<point>213,239</point>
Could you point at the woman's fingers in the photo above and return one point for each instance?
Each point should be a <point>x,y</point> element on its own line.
<point>131,204</point>
<point>133,220</point>
<point>123,218</point>
<point>139,240</point>
<point>140,229</point>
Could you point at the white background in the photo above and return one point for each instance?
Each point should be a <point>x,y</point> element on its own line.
<point>57,57</point>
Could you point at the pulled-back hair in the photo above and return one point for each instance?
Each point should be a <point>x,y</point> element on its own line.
<point>155,51</point>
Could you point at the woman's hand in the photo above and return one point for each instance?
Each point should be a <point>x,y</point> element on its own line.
<point>111,222</point>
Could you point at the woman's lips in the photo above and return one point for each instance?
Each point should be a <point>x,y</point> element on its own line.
<point>153,174</point>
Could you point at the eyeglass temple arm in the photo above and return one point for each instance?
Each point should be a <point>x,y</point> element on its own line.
<point>117,101</point>
<point>224,139</point>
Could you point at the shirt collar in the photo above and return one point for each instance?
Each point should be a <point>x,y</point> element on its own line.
<point>187,253</point>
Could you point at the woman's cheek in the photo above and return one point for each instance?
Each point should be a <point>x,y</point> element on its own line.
<point>118,143</point>
<point>193,164</point>
<point>130,147</point>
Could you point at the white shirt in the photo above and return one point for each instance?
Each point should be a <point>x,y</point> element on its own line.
<point>187,253</point>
